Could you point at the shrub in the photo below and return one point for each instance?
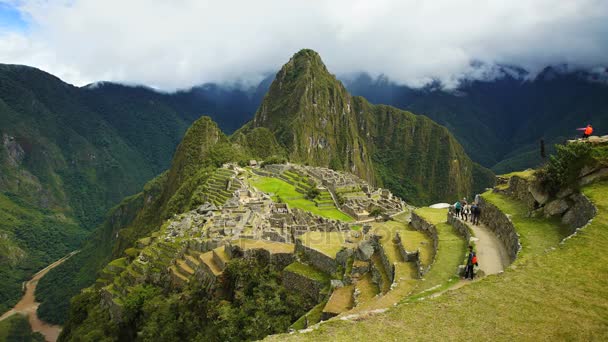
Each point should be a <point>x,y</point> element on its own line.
<point>564,166</point>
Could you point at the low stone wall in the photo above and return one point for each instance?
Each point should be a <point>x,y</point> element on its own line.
<point>422,225</point>
<point>525,191</point>
<point>502,227</point>
<point>388,266</point>
<point>460,227</point>
<point>317,259</point>
<point>405,254</point>
<point>299,283</point>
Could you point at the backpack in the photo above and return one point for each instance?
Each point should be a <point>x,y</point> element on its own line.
<point>474,260</point>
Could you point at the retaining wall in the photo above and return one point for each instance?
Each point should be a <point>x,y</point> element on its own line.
<point>502,226</point>
<point>317,259</point>
<point>422,225</point>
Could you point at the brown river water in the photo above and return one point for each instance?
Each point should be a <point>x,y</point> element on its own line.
<point>28,305</point>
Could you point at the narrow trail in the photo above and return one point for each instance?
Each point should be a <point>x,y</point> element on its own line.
<point>28,305</point>
<point>492,254</point>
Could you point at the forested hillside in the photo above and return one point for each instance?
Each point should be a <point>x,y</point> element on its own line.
<point>69,154</point>
<point>500,122</point>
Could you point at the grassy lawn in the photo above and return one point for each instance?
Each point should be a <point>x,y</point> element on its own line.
<point>278,188</point>
<point>328,243</point>
<point>341,300</point>
<point>555,295</point>
<point>536,234</point>
<point>526,174</point>
<point>307,271</point>
<point>271,246</point>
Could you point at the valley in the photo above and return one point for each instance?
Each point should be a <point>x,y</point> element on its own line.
<point>28,306</point>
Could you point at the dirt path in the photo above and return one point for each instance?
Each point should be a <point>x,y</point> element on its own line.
<point>492,254</point>
<point>28,305</point>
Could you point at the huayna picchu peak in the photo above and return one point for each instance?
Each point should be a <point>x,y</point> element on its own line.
<point>319,123</point>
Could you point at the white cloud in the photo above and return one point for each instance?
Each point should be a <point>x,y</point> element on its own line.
<point>180,43</point>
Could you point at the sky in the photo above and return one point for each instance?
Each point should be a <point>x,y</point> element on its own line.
<point>174,44</point>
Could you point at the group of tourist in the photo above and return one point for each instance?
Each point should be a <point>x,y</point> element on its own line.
<point>469,212</point>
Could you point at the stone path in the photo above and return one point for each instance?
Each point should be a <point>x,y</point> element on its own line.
<point>28,305</point>
<point>492,254</point>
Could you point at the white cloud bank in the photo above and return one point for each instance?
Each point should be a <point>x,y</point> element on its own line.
<point>173,44</point>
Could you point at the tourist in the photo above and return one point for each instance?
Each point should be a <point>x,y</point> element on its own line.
<point>475,213</point>
<point>466,212</point>
<point>457,207</point>
<point>588,131</point>
<point>471,261</point>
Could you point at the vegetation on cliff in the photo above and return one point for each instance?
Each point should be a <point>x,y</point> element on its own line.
<point>319,123</point>
<point>253,305</point>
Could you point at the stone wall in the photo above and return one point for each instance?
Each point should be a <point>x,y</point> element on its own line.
<point>502,227</point>
<point>317,259</point>
<point>388,266</point>
<point>405,254</point>
<point>460,227</point>
<point>300,283</point>
<point>422,225</point>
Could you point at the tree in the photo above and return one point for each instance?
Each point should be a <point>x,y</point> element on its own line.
<point>376,212</point>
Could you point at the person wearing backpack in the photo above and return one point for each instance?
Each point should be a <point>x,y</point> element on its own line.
<point>457,208</point>
<point>471,262</point>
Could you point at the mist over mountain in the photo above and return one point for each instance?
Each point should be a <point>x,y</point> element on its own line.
<point>500,121</point>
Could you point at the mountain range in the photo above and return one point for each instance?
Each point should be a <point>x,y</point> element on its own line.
<point>71,154</point>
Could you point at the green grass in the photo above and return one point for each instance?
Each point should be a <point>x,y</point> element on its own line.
<point>288,194</point>
<point>432,215</point>
<point>449,255</point>
<point>307,271</point>
<point>526,174</point>
<point>536,234</point>
<point>312,317</point>
<point>328,243</point>
<point>555,295</point>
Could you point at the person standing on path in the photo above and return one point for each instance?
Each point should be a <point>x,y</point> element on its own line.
<point>471,261</point>
<point>475,213</point>
<point>457,207</point>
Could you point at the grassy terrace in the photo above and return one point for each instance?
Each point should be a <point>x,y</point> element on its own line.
<point>328,243</point>
<point>307,271</point>
<point>555,295</point>
<point>287,193</point>
<point>451,250</point>
<point>271,246</point>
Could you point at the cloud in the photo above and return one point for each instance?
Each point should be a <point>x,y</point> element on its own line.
<point>180,43</point>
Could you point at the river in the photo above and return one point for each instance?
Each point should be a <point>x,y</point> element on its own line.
<point>28,305</point>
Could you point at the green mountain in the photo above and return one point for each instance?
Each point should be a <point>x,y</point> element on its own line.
<point>69,154</point>
<point>319,123</point>
<point>501,121</point>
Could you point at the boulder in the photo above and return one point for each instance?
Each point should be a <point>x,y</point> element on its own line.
<point>540,195</point>
<point>556,207</point>
<point>569,217</point>
<point>594,176</point>
<point>365,250</point>
<point>563,193</point>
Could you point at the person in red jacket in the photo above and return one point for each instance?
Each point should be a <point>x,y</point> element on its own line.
<point>588,131</point>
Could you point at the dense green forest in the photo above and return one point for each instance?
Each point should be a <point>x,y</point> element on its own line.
<point>17,328</point>
<point>254,305</point>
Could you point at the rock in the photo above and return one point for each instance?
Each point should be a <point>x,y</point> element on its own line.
<point>563,193</point>
<point>569,217</point>
<point>335,283</point>
<point>594,176</point>
<point>365,250</point>
<point>538,193</point>
<point>556,207</point>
